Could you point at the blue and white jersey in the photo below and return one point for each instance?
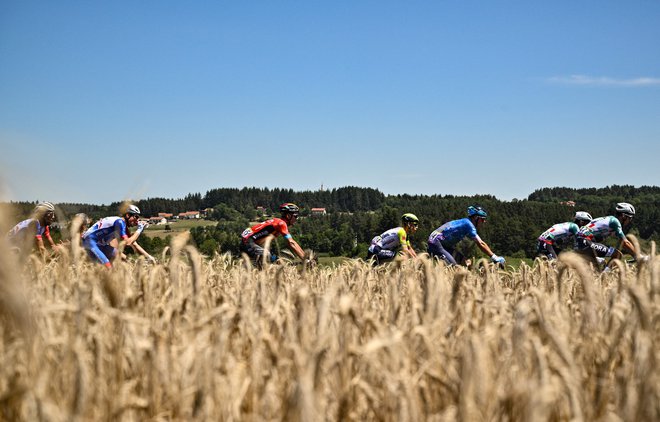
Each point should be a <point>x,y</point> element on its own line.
<point>453,232</point>
<point>106,230</point>
<point>19,232</point>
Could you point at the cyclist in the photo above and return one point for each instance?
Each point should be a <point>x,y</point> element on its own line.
<point>394,241</point>
<point>590,236</point>
<point>557,237</point>
<point>443,240</point>
<point>36,227</point>
<point>101,240</point>
<point>254,238</point>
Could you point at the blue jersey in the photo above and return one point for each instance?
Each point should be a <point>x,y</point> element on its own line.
<point>453,232</point>
<point>106,230</point>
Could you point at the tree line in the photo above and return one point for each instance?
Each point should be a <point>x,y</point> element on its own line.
<point>355,215</point>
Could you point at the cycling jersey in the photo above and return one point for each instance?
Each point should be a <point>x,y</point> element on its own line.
<point>559,234</point>
<point>19,232</point>
<point>274,226</point>
<point>449,234</point>
<point>391,239</point>
<point>600,228</point>
<point>106,230</point>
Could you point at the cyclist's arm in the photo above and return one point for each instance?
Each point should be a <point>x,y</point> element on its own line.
<point>55,247</point>
<point>483,246</point>
<point>42,248</point>
<point>405,244</point>
<point>138,249</point>
<point>132,239</point>
<point>627,246</point>
<point>408,250</point>
<point>122,230</point>
<point>295,247</point>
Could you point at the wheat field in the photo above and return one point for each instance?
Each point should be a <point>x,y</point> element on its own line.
<point>197,339</point>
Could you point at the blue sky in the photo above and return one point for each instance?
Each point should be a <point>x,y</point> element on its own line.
<point>104,101</point>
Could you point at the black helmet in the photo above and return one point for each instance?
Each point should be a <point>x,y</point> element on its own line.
<point>289,208</point>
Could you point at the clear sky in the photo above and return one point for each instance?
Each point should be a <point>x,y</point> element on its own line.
<point>104,101</point>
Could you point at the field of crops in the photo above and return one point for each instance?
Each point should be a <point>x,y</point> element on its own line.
<point>192,339</point>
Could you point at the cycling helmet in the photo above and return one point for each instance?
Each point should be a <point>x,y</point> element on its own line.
<point>132,210</point>
<point>45,207</point>
<point>289,208</point>
<point>583,216</point>
<point>410,218</point>
<point>625,208</point>
<point>478,211</point>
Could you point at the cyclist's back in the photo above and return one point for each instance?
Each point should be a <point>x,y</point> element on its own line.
<point>601,228</point>
<point>25,229</point>
<point>259,232</point>
<point>392,239</point>
<point>106,230</point>
<point>453,232</point>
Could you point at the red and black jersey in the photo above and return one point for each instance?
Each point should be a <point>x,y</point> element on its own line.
<point>274,226</point>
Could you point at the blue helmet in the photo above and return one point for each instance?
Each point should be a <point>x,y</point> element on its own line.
<point>478,211</point>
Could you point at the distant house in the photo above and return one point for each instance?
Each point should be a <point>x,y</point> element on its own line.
<point>207,211</point>
<point>318,211</point>
<point>158,220</point>
<point>189,215</point>
<point>165,215</point>
<point>568,203</point>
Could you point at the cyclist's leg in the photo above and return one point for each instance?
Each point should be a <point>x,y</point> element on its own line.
<point>95,252</point>
<point>109,251</point>
<point>547,250</point>
<point>604,251</point>
<point>256,253</point>
<point>436,249</point>
<point>385,255</point>
<point>592,251</point>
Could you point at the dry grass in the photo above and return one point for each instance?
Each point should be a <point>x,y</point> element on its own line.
<point>215,340</point>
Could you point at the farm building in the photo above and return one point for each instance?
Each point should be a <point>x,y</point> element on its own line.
<point>189,215</point>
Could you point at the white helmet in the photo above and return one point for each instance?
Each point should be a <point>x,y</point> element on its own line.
<point>44,207</point>
<point>625,208</point>
<point>133,210</point>
<point>583,216</point>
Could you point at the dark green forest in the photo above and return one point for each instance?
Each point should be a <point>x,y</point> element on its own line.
<point>355,215</point>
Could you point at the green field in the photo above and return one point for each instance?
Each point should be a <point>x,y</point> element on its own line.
<point>176,227</point>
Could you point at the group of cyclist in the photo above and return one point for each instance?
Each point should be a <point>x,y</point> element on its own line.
<point>101,240</point>
<point>584,235</point>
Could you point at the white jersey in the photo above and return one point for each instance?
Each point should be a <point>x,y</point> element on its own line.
<point>392,239</point>
<point>559,234</point>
